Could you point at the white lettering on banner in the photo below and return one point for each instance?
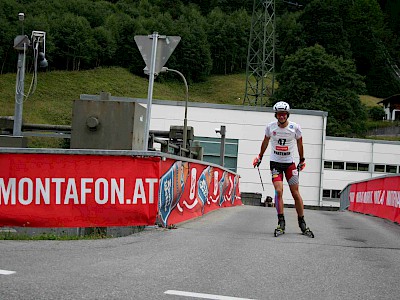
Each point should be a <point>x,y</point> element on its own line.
<point>101,185</point>
<point>71,192</point>
<point>139,192</point>
<point>25,184</point>
<point>379,197</point>
<point>84,189</point>
<point>58,182</point>
<point>393,199</point>
<point>364,197</point>
<point>151,182</point>
<point>27,191</point>
<point>117,190</point>
<point>42,191</point>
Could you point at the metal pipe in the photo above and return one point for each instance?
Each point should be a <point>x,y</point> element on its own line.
<point>222,149</point>
<point>19,93</point>
<point>154,36</point>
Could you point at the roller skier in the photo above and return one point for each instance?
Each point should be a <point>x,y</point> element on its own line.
<point>284,136</point>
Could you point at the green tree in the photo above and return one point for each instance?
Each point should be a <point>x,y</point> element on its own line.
<point>314,79</point>
<point>193,55</point>
<point>10,27</point>
<point>322,24</point>
<point>365,24</point>
<point>75,44</point>
<point>124,28</point>
<point>228,51</point>
<point>288,36</point>
<point>105,46</point>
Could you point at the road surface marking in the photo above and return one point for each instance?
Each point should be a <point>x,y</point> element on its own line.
<point>203,296</point>
<point>5,272</point>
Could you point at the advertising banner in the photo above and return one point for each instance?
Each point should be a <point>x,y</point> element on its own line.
<point>59,190</point>
<point>378,197</point>
<point>188,190</point>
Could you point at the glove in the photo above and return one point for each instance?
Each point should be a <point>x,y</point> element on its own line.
<point>302,164</point>
<point>257,161</point>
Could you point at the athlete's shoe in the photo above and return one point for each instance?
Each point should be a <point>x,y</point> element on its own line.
<point>281,223</point>
<point>302,224</point>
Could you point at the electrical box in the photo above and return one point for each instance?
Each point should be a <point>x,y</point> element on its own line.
<point>108,124</point>
<point>176,134</point>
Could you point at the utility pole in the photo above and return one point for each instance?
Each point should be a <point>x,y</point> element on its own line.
<point>21,44</point>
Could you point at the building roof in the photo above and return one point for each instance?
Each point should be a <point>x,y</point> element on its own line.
<point>391,99</point>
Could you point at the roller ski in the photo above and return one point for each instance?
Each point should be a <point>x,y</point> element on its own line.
<point>281,227</point>
<point>304,229</point>
<point>278,231</point>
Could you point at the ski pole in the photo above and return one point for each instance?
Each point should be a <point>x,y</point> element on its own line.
<point>260,178</point>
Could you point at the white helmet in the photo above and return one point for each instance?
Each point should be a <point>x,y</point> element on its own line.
<point>281,106</point>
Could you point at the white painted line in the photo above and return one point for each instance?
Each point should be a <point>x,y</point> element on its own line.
<point>5,272</point>
<point>203,296</point>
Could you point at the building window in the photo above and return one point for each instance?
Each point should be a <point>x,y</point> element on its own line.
<point>338,165</point>
<point>363,167</point>
<point>351,166</point>
<point>211,151</point>
<point>327,165</point>
<point>331,194</point>
<point>379,168</point>
<point>391,169</point>
<point>326,193</point>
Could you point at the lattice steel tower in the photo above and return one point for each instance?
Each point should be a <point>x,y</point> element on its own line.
<point>260,77</point>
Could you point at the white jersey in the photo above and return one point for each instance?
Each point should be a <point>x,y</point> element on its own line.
<point>283,141</point>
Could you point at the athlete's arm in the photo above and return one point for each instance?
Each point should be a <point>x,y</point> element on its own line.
<point>300,147</point>
<point>264,145</point>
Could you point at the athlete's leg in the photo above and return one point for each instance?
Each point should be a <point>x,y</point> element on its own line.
<point>278,185</point>
<point>298,200</point>
<point>292,177</point>
<point>277,181</point>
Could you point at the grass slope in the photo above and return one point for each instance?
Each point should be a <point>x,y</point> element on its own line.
<point>52,101</point>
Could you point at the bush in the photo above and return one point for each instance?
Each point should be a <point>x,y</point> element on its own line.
<point>376,113</point>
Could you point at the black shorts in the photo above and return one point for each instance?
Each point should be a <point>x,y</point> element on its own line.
<point>289,169</point>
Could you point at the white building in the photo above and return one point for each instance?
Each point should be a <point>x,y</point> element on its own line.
<point>331,163</point>
<point>348,160</point>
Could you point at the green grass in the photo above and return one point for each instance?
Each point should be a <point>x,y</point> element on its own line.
<point>370,100</point>
<point>52,101</point>
<point>89,234</point>
<point>8,236</point>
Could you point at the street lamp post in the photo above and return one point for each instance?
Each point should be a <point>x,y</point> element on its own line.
<point>186,105</point>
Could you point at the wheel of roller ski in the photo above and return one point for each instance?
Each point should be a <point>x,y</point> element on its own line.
<point>308,233</point>
<point>278,232</point>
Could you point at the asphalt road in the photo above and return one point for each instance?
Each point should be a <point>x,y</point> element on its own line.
<point>225,254</point>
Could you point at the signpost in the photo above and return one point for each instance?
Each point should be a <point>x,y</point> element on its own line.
<point>155,50</point>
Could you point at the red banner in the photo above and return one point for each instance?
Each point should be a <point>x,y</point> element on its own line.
<point>189,190</point>
<point>56,190</point>
<point>378,197</point>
